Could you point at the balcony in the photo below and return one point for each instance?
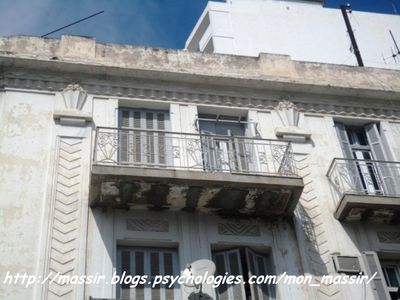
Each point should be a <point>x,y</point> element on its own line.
<point>161,170</point>
<point>367,190</point>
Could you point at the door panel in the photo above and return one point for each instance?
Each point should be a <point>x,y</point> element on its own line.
<point>223,150</point>
<point>229,262</point>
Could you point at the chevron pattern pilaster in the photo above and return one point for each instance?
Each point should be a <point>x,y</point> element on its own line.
<point>64,232</point>
<point>314,227</point>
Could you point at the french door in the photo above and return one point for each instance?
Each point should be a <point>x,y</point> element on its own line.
<point>224,146</point>
<point>369,168</point>
<point>246,263</point>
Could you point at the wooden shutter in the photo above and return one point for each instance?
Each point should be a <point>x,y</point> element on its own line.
<point>151,262</point>
<point>124,136</point>
<point>139,146</point>
<point>208,150</point>
<point>384,171</point>
<point>161,145</point>
<point>125,267</point>
<point>353,171</point>
<point>137,137</point>
<point>246,151</point>
<point>375,142</point>
<point>221,269</point>
<point>373,266</point>
<point>139,270</point>
<point>344,140</point>
<point>257,265</point>
<point>229,262</point>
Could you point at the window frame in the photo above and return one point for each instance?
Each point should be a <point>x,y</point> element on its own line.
<point>391,264</point>
<point>147,251</point>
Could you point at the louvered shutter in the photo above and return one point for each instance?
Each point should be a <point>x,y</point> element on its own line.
<point>168,269</point>
<point>221,269</point>
<point>354,175</point>
<point>139,270</point>
<point>229,262</point>
<point>235,269</point>
<point>155,270</point>
<point>125,267</point>
<point>246,151</point>
<point>252,272</point>
<point>385,173</point>
<point>150,262</point>
<point>124,136</point>
<point>207,129</point>
<point>144,146</point>
<point>375,142</point>
<point>257,266</point>
<point>373,266</point>
<point>344,140</point>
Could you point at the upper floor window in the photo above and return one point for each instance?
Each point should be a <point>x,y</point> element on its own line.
<point>362,142</point>
<point>368,167</point>
<point>147,144</point>
<point>246,263</point>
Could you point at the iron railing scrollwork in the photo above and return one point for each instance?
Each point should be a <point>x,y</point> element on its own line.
<point>212,153</point>
<point>365,177</point>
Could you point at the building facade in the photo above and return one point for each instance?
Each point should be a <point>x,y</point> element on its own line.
<point>119,159</point>
<point>304,30</point>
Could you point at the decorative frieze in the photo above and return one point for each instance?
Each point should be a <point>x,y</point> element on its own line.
<point>271,102</point>
<point>147,225</point>
<point>389,237</point>
<point>240,229</point>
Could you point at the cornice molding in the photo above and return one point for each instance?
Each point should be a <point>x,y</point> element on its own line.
<point>170,94</point>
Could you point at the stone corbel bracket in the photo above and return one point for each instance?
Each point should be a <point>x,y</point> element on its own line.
<point>71,114</point>
<point>289,116</point>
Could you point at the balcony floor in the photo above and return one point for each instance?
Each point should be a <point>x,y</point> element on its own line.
<point>225,193</point>
<point>374,208</point>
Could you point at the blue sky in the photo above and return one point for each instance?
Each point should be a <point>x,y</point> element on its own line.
<point>157,23</point>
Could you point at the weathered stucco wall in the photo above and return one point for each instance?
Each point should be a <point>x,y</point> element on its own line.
<point>25,152</point>
<point>124,59</point>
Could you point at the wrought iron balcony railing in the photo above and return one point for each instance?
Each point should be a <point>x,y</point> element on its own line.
<point>365,177</point>
<point>213,153</point>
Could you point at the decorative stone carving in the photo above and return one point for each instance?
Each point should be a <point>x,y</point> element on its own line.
<point>242,229</point>
<point>389,237</point>
<point>147,225</point>
<point>66,212</point>
<point>288,113</point>
<point>317,246</point>
<point>133,90</point>
<point>69,112</point>
<point>74,97</point>
<point>289,116</point>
